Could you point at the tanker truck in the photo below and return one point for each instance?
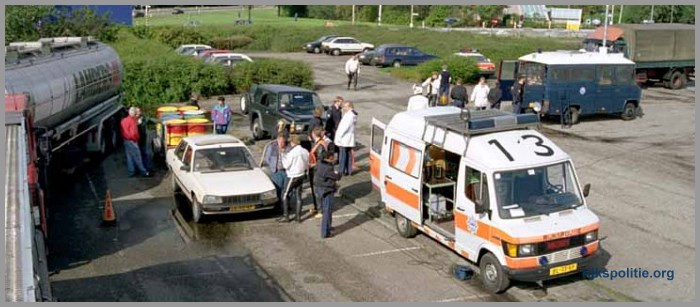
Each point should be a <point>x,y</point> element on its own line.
<point>662,52</point>
<point>62,99</point>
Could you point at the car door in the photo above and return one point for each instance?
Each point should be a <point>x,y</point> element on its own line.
<point>507,73</point>
<point>353,45</point>
<point>266,109</point>
<point>185,176</point>
<point>375,152</point>
<point>175,162</point>
<point>472,188</point>
<point>263,164</point>
<point>402,176</point>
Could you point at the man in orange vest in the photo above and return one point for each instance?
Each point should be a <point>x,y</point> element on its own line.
<point>315,155</point>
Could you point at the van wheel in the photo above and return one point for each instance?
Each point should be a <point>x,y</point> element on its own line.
<point>196,210</point>
<point>492,276</point>
<point>678,80</point>
<point>244,104</point>
<point>397,64</point>
<point>629,113</point>
<point>404,227</point>
<point>574,115</point>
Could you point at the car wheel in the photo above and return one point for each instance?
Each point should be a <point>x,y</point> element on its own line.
<point>336,52</point>
<point>404,227</point>
<point>257,130</point>
<point>196,210</point>
<point>373,62</point>
<point>492,276</point>
<point>629,112</point>
<point>244,104</point>
<point>317,50</point>
<point>397,64</point>
<point>365,50</point>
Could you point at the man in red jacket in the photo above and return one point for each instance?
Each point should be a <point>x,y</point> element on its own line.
<point>130,134</point>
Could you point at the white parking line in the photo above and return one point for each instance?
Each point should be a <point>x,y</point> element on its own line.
<point>458,299</point>
<point>387,251</point>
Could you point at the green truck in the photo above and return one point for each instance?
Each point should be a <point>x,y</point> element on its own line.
<point>662,52</point>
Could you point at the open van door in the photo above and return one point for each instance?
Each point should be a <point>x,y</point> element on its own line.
<point>507,73</point>
<point>375,152</point>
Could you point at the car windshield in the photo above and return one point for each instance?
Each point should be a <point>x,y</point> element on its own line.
<point>536,191</point>
<point>299,101</point>
<point>225,159</point>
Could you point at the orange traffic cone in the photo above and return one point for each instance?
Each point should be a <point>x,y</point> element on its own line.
<point>109,217</point>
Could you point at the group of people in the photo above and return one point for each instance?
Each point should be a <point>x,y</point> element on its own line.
<point>438,87</point>
<point>290,163</point>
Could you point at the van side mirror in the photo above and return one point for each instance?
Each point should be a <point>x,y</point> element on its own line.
<point>480,208</point>
<point>586,189</point>
<point>184,168</point>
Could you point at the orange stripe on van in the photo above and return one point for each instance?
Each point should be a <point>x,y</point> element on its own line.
<point>402,195</point>
<point>460,221</point>
<point>374,164</point>
<point>411,161</point>
<point>395,153</point>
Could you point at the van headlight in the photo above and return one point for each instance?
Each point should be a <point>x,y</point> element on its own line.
<point>591,236</point>
<point>536,106</point>
<point>272,194</point>
<point>210,199</point>
<point>526,250</point>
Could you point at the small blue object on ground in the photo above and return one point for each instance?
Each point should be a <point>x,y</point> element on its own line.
<point>462,272</point>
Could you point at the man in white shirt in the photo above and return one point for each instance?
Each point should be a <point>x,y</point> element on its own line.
<point>480,94</point>
<point>352,69</point>
<point>433,85</point>
<point>417,101</point>
<point>295,161</point>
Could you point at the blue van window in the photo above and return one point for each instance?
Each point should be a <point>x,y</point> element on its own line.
<point>534,73</point>
<point>624,75</point>
<point>605,75</point>
<point>568,74</point>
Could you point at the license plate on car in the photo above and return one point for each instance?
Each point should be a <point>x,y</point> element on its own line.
<point>563,269</point>
<point>242,208</point>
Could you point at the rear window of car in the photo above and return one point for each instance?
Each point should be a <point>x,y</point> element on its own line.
<point>299,101</point>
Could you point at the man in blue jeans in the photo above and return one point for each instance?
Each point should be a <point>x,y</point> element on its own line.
<point>274,161</point>
<point>130,133</point>
<point>325,179</point>
<point>221,116</point>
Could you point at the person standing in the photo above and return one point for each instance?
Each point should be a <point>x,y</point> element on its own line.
<point>445,80</point>
<point>221,116</point>
<point>417,101</point>
<point>495,95</point>
<point>316,121</point>
<point>352,69</point>
<point>433,85</point>
<point>480,94</point>
<point>130,134</point>
<point>325,179</point>
<point>459,94</point>
<point>517,92</point>
<point>273,159</point>
<point>345,138</point>
<point>193,100</point>
<point>295,161</point>
<point>143,141</point>
<point>317,153</point>
<point>335,115</point>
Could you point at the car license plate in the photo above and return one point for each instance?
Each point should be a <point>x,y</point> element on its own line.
<point>563,269</point>
<point>242,208</point>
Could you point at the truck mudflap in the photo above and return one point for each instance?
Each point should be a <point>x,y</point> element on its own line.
<point>556,270</point>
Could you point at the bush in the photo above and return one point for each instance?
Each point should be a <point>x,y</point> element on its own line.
<point>275,71</point>
<point>176,36</point>
<point>231,43</point>
<point>459,67</point>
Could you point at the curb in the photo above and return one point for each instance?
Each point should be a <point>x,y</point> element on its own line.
<point>180,226</point>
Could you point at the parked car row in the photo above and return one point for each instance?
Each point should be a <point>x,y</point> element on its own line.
<point>337,45</point>
<point>210,55</point>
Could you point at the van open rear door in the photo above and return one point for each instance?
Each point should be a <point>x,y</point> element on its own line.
<point>507,73</point>
<point>375,152</point>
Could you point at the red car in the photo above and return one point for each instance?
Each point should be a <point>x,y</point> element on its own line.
<point>486,67</point>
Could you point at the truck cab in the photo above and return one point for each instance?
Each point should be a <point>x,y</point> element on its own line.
<point>488,186</point>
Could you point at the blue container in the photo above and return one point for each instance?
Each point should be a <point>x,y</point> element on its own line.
<point>462,272</point>
<point>168,116</point>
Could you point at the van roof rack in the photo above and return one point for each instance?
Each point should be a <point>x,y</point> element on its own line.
<point>474,122</point>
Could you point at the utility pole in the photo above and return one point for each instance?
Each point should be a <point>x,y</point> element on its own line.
<point>412,17</point>
<point>672,6</point>
<point>250,20</point>
<point>619,20</point>
<point>379,20</point>
<point>353,14</point>
<point>612,15</point>
<point>605,29</point>
<point>652,13</point>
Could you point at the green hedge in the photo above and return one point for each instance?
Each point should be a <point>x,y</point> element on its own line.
<point>275,71</point>
<point>231,43</point>
<point>459,67</point>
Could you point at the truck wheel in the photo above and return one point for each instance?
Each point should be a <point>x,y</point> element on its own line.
<point>492,276</point>
<point>257,130</point>
<point>244,104</point>
<point>678,80</point>
<point>397,63</point>
<point>196,210</point>
<point>629,112</point>
<point>404,227</point>
<point>574,115</point>
<point>336,52</point>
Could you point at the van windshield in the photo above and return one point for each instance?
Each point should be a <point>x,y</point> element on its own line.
<point>536,191</point>
<point>223,159</point>
<point>299,101</point>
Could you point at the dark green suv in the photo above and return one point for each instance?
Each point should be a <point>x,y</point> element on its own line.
<point>269,106</point>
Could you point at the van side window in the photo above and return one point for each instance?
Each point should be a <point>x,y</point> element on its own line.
<point>624,75</point>
<point>188,156</point>
<point>605,75</point>
<point>406,159</point>
<point>476,187</point>
<point>377,139</point>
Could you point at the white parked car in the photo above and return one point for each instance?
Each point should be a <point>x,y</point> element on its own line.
<point>227,59</point>
<point>340,45</point>
<point>218,175</point>
<point>192,49</point>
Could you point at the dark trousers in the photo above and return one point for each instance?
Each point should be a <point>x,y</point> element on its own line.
<point>292,188</point>
<point>496,106</point>
<point>352,78</point>
<point>313,190</point>
<point>327,220</point>
<point>516,107</point>
<point>221,129</point>
<point>458,103</point>
<point>432,99</point>
<point>145,158</point>
<point>345,160</point>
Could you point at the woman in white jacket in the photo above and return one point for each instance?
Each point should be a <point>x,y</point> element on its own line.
<point>433,85</point>
<point>480,94</point>
<point>345,138</point>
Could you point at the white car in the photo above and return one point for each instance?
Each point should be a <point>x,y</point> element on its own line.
<point>340,45</point>
<point>191,49</point>
<point>227,59</point>
<point>218,174</point>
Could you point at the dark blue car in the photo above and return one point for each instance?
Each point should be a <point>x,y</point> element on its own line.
<point>395,55</point>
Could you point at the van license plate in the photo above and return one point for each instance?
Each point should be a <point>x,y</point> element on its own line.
<point>242,208</point>
<point>563,269</point>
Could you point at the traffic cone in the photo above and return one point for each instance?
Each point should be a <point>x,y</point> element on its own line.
<point>109,218</point>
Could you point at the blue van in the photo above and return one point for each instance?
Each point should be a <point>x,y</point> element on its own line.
<point>395,55</point>
<point>573,84</point>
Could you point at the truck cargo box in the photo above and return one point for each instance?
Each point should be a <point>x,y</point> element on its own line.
<point>652,42</point>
